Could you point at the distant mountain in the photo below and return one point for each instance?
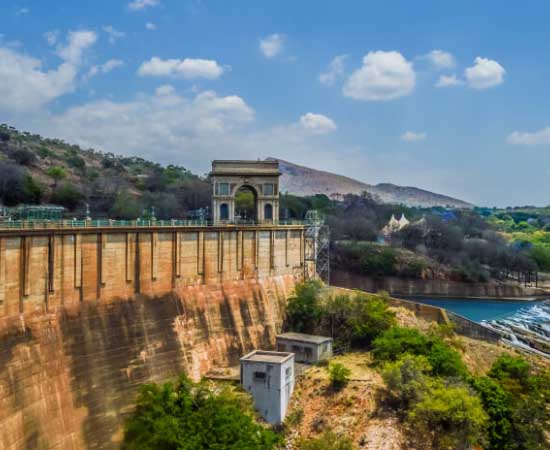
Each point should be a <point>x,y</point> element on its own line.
<point>303,181</point>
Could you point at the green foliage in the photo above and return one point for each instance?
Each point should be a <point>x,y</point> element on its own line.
<point>56,173</point>
<point>76,161</point>
<point>23,156</point>
<point>327,441</point>
<point>368,317</point>
<point>189,416</point>
<point>448,417</point>
<point>17,186</point>
<point>67,195</point>
<point>126,207</point>
<point>497,404</point>
<point>406,379</point>
<point>512,372</point>
<point>397,341</point>
<point>382,262</point>
<point>541,255</point>
<point>303,310</point>
<point>338,375</point>
<point>44,152</point>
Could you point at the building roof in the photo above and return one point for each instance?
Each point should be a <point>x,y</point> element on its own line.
<point>301,337</point>
<point>268,357</point>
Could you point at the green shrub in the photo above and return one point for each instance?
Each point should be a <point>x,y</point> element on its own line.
<point>67,195</point>
<point>303,310</point>
<point>497,404</point>
<point>398,341</point>
<point>369,317</point>
<point>76,161</point>
<point>406,379</point>
<point>379,262</point>
<point>189,416</point>
<point>327,441</point>
<point>448,417</point>
<point>44,152</point>
<point>23,156</point>
<point>338,375</point>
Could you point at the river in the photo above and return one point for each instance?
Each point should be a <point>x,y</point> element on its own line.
<point>522,321</point>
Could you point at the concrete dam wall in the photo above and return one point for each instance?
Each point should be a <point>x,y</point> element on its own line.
<point>86,316</point>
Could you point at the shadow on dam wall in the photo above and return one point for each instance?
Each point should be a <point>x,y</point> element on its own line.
<point>69,378</point>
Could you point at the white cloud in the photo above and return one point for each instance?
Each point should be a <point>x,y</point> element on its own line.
<point>165,89</point>
<point>51,37</point>
<point>441,59</point>
<point>383,76</point>
<point>448,80</point>
<point>413,136</point>
<point>272,45</point>
<point>139,5</point>
<point>77,43</point>
<point>113,33</point>
<point>334,71</point>
<point>484,74</point>
<point>104,68</point>
<point>187,68</point>
<point>25,86</point>
<point>23,11</point>
<point>150,26</point>
<point>540,137</point>
<point>317,123</point>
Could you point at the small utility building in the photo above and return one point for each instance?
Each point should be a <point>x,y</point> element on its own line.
<point>307,348</point>
<point>269,377</point>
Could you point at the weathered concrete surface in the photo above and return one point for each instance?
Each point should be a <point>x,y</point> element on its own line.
<point>441,288</point>
<point>86,318</point>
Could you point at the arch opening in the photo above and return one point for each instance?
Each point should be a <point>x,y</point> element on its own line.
<point>246,201</point>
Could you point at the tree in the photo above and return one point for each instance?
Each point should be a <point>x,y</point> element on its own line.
<point>448,417</point>
<point>57,174</point>
<point>17,186</point>
<point>191,416</point>
<point>303,310</point>
<point>68,196</point>
<point>23,156</point>
<point>368,318</point>
<point>406,380</point>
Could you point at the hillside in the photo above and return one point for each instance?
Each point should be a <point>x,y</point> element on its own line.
<point>36,170</point>
<point>303,181</point>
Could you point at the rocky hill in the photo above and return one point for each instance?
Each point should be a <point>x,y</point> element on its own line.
<point>303,181</point>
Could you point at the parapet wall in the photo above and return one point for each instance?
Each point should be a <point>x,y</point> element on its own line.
<point>88,316</point>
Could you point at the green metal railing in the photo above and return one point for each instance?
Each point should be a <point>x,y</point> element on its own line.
<point>139,223</point>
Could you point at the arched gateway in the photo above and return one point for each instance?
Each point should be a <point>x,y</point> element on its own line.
<point>245,191</point>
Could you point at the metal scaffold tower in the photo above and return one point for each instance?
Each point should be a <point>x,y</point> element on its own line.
<point>317,245</point>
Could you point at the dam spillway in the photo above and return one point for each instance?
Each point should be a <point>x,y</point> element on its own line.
<point>87,315</point>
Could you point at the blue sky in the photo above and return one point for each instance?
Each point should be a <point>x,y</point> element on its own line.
<point>446,96</point>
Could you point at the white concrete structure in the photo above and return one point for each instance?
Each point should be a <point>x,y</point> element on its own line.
<point>269,377</point>
<point>307,348</point>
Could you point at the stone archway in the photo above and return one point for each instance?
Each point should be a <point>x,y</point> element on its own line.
<point>229,178</point>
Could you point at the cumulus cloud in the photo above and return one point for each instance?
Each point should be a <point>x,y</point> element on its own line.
<point>113,33</point>
<point>104,68</point>
<point>448,80</point>
<point>317,123</point>
<point>272,45</point>
<point>535,138</point>
<point>187,68</point>
<point>383,76</point>
<point>441,59</point>
<point>334,71</point>
<point>150,26</point>
<point>25,85</point>
<point>484,74</point>
<point>413,136</point>
<point>139,5</point>
<point>77,43</point>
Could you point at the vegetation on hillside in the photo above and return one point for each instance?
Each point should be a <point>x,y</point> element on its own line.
<point>36,170</point>
<point>194,416</point>
<point>427,384</point>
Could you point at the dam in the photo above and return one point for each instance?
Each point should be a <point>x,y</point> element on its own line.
<point>90,312</point>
